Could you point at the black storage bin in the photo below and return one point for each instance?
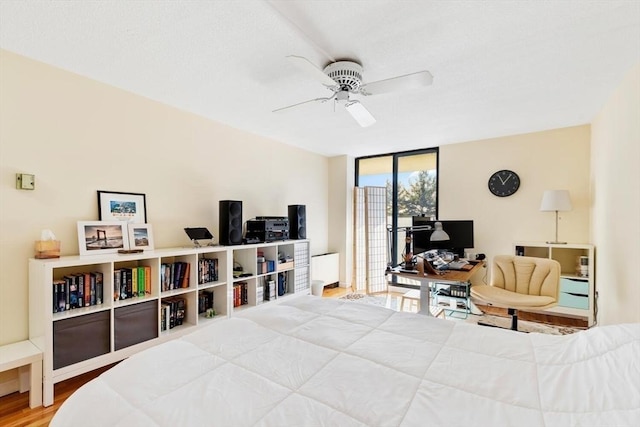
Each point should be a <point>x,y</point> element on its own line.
<point>136,323</point>
<point>80,338</point>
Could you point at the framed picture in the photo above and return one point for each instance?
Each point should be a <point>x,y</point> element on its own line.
<point>102,237</point>
<point>127,207</point>
<point>140,236</point>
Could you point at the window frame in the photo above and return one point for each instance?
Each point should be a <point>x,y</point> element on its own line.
<point>394,187</point>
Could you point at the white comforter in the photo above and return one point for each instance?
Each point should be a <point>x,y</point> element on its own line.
<point>310,361</point>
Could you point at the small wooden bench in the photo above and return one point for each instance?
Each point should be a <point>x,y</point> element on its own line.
<point>25,356</point>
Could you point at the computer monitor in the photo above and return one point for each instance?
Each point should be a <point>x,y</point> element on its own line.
<point>460,236</point>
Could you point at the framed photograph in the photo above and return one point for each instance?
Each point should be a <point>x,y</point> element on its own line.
<point>126,207</point>
<point>140,236</point>
<point>102,237</point>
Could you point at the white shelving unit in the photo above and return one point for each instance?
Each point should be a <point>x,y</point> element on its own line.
<point>577,291</point>
<point>78,340</point>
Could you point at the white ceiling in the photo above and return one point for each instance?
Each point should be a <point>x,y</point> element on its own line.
<point>500,67</point>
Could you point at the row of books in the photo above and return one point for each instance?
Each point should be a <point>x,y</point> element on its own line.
<point>77,290</point>
<point>266,266</point>
<point>207,270</point>
<point>205,300</point>
<point>174,275</point>
<point>240,296</point>
<point>266,292</point>
<point>172,312</point>
<point>131,282</point>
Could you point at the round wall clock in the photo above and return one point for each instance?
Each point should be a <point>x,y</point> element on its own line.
<point>504,183</point>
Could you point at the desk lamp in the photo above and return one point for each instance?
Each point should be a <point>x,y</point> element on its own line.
<point>554,201</point>
<point>438,235</point>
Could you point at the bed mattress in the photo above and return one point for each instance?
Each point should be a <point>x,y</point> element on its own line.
<point>309,361</point>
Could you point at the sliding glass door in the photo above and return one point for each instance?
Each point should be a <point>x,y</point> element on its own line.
<point>411,182</point>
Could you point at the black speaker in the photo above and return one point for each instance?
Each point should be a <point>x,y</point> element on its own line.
<point>297,222</point>
<point>230,222</point>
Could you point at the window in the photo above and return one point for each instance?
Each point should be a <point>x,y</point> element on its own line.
<point>411,182</point>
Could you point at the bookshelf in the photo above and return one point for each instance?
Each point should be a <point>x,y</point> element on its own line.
<point>578,298</point>
<point>170,300</point>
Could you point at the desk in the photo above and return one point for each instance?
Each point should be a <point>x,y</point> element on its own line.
<point>424,281</point>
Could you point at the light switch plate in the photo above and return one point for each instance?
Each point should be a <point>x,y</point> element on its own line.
<point>25,181</point>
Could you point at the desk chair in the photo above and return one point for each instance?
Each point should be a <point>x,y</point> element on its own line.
<point>520,283</point>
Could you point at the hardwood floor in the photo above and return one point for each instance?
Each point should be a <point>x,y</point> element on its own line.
<point>15,411</point>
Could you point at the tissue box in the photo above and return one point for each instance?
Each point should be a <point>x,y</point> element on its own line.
<point>47,249</point>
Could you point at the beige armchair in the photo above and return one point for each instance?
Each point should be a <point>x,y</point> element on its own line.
<point>520,283</point>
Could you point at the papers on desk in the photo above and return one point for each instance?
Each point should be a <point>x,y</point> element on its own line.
<point>457,265</point>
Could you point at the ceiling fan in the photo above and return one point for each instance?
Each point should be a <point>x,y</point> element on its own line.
<point>344,78</point>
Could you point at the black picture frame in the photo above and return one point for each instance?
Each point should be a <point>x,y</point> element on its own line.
<point>122,206</point>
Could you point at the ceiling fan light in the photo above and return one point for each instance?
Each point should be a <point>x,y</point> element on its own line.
<point>360,114</point>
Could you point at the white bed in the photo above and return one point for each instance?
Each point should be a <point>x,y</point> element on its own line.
<point>310,361</point>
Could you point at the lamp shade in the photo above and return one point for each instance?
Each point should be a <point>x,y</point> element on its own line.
<point>556,200</point>
<point>438,234</point>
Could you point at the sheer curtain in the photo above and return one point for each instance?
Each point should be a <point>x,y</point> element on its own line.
<point>370,239</point>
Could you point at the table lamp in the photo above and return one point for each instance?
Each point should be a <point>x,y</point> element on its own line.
<point>555,201</point>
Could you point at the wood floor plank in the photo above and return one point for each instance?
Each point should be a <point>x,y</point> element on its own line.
<point>15,411</point>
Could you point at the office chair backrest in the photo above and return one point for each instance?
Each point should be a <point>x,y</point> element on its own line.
<point>526,275</point>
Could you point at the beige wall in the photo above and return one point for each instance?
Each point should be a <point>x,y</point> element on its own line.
<point>555,159</point>
<point>78,136</point>
<point>615,181</point>
<point>340,233</point>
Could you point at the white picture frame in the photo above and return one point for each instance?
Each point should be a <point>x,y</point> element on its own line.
<point>102,237</point>
<point>140,236</point>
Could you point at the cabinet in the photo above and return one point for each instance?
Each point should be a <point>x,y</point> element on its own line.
<point>578,296</point>
<point>135,301</point>
<point>269,271</point>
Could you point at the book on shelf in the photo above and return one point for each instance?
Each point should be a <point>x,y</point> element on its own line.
<point>71,292</point>
<point>93,294</point>
<point>58,295</point>
<point>181,306</point>
<point>184,283</point>
<point>140,283</point>
<point>133,292</point>
<point>282,284</point>
<point>87,289</point>
<point>98,278</point>
<point>125,283</point>
<point>147,279</point>
<point>117,274</point>
<point>80,283</point>
<point>165,313</point>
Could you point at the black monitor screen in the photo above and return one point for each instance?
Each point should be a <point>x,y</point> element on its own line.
<point>460,236</point>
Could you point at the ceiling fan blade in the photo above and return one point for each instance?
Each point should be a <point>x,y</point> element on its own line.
<point>360,113</point>
<point>311,70</point>
<point>406,82</point>
<point>302,103</point>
